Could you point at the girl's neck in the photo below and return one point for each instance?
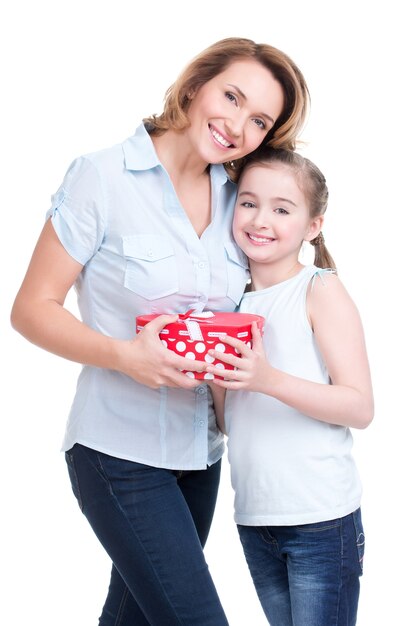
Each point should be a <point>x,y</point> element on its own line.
<point>264,275</point>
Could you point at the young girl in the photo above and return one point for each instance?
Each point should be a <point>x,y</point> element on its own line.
<point>297,491</point>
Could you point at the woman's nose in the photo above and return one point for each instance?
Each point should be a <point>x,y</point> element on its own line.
<point>235,124</point>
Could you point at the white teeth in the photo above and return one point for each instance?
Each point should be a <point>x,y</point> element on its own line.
<point>260,239</point>
<point>220,139</point>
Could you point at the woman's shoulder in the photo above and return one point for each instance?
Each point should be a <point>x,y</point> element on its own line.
<point>129,153</point>
<point>104,157</point>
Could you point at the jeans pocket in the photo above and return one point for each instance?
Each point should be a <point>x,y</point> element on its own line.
<point>360,537</point>
<point>69,457</point>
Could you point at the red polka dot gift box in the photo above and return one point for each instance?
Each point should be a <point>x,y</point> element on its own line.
<point>197,332</point>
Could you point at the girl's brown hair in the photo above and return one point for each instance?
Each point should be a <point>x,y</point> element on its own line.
<point>214,60</point>
<point>313,184</point>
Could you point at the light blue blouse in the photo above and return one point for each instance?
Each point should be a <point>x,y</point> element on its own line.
<point>117,213</point>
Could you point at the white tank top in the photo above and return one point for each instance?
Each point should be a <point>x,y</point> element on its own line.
<point>288,468</point>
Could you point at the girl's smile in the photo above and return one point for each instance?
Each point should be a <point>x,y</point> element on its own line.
<point>258,240</point>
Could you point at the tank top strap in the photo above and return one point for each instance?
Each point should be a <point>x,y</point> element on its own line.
<point>320,272</point>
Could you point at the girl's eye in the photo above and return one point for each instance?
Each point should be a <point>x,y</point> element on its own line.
<point>248,205</point>
<point>281,211</point>
<point>260,123</point>
<point>231,97</point>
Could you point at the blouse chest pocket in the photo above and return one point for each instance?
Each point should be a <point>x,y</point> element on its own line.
<point>237,271</point>
<point>150,269</point>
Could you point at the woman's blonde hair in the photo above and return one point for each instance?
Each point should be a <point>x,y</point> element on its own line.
<point>313,184</point>
<point>215,60</point>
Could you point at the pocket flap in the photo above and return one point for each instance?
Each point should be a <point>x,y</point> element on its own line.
<point>147,247</point>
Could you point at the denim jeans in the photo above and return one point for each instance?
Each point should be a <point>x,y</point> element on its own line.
<point>153,523</point>
<point>307,575</point>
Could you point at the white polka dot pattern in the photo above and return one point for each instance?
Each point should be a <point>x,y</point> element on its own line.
<point>178,339</point>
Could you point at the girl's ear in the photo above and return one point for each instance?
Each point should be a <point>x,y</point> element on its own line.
<point>314,228</point>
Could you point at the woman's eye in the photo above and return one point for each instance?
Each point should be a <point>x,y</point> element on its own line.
<point>260,123</point>
<point>231,97</point>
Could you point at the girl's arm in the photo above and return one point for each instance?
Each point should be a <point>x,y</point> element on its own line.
<point>38,313</point>
<point>218,395</point>
<point>348,400</point>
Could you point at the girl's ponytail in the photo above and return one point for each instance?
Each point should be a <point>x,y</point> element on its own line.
<point>323,258</point>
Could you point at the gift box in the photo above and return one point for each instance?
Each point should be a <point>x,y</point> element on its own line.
<point>197,332</point>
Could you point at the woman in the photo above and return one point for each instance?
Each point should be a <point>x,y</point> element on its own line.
<point>145,227</point>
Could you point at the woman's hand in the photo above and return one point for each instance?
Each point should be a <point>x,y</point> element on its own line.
<point>149,362</point>
<point>251,368</point>
<point>39,315</point>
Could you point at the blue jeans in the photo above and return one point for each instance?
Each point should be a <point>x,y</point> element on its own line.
<point>153,523</point>
<point>307,575</point>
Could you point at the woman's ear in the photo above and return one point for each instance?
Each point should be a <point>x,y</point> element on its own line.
<point>314,228</point>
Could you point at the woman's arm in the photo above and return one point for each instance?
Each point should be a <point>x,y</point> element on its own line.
<point>39,315</point>
<point>348,401</point>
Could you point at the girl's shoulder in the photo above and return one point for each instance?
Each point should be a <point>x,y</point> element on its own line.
<point>327,295</point>
<point>321,274</point>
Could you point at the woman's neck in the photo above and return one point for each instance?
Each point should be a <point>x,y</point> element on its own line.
<point>189,177</point>
<point>178,156</point>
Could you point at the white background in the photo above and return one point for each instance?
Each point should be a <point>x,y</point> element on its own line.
<point>78,76</point>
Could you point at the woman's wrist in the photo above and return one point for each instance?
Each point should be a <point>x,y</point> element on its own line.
<point>115,355</point>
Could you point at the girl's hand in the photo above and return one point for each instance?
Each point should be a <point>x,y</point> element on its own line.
<point>250,369</point>
<point>149,362</point>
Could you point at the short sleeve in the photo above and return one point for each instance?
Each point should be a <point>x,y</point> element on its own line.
<point>77,210</point>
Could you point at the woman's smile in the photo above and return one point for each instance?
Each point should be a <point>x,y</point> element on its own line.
<point>219,138</point>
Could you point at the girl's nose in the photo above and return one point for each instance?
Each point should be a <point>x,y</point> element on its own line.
<point>259,220</point>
